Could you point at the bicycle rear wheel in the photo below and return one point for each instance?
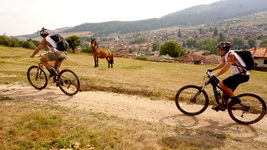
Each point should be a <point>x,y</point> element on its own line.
<point>251,109</point>
<point>68,82</point>
<point>37,77</point>
<point>191,100</point>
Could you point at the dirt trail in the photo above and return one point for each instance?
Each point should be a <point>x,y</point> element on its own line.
<point>144,109</point>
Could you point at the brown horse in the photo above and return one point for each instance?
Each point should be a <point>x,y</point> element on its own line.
<point>101,53</point>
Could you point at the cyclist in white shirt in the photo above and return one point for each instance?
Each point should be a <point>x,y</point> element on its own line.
<point>52,55</point>
<point>240,74</point>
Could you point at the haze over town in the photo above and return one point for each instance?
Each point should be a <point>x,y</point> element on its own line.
<point>28,16</point>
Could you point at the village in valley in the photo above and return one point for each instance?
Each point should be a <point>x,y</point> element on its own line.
<point>123,46</point>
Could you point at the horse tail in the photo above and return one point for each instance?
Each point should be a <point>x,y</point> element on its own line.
<point>111,58</point>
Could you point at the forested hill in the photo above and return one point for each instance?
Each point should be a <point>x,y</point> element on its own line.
<point>201,14</point>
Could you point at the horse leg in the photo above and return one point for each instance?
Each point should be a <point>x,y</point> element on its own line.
<point>108,62</point>
<point>111,60</point>
<point>96,62</point>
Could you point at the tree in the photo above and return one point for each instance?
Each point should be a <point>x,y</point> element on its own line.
<point>139,40</point>
<point>251,42</point>
<point>221,38</point>
<point>191,43</point>
<point>73,41</point>
<point>156,46</point>
<point>209,44</point>
<point>14,42</point>
<point>215,33</point>
<point>264,43</point>
<point>4,40</point>
<point>237,43</point>
<point>31,45</point>
<point>171,48</point>
<point>200,31</point>
<point>179,33</point>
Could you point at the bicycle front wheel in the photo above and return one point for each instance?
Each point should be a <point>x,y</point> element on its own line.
<point>251,109</point>
<point>37,77</point>
<point>68,82</point>
<point>191,100</point>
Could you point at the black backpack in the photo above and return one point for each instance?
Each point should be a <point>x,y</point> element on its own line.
<point>247,57</point>
<point>61,42</point>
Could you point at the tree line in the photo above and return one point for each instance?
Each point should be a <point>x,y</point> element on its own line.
<point>11,41</point>
<point>171,48</point>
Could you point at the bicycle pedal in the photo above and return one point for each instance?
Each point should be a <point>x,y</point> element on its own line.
<point>217,108</point>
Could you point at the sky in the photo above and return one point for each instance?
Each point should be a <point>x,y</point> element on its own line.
<point>19,17</point>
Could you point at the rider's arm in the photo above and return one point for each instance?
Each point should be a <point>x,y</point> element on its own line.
<point>219,66</point>
<point>227,65</point>
<point>42,44</point>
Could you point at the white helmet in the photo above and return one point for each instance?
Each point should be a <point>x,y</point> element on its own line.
<point>44,32</point>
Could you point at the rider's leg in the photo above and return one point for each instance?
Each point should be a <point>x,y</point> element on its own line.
<point>227,90</point>
<point>44,60</point>
<point>225,96</point>
<point>57,65</point>
<point>231,83</point>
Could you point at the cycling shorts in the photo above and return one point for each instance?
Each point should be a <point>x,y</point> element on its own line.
<point>233,81</point>
<point>56,56</point>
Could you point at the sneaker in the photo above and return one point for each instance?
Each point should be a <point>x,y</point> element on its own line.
<point>234,101</point>
<point>52,74</point>
<point>217,108</point>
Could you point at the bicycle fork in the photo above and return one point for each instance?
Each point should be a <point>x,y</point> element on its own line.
<point>38,73</point>
<point>194,99</point>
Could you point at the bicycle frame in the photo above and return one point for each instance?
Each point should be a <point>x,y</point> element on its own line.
<point>214,84</point>
<point>194,100</point>
<point>40,65</point>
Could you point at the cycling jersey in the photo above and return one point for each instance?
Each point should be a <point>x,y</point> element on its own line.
<point>51,44</point>
<point>236,67</point>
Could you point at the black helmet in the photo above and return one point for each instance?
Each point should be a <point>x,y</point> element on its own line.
<point>44,32</point>
<point>225,46</point>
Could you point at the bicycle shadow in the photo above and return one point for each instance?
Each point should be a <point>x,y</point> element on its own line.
<point>191,122</point>
<point>45,95</point>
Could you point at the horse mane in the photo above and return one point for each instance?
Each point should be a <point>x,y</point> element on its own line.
<point>96,45</point>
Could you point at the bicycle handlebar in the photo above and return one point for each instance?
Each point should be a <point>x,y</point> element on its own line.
<point>208,73</point>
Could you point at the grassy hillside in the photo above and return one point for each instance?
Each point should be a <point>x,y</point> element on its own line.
<point>144,78</point>
<point>27,125</point>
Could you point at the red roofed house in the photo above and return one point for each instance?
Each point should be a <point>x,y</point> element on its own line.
<point>260,56</point>
<point>190,59</point>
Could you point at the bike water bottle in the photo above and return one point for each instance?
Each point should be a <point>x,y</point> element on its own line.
<point>219,96</point>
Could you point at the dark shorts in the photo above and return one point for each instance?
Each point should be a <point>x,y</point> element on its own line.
<point>233,81</point>
<point>56,56</point>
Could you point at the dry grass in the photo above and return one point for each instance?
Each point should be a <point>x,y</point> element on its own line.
<point>26,125</point>
<point>156,80</point>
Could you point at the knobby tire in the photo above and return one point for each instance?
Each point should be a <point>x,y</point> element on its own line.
<point>191,100</point>
<point>37,77</point>
<point>68,82</point>
<point>251,110</point>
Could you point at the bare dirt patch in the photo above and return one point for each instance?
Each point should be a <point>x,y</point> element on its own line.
<point>144,109</point>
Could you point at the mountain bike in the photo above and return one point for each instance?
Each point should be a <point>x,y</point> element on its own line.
<point>66,80</point>
<point>193,100</point>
